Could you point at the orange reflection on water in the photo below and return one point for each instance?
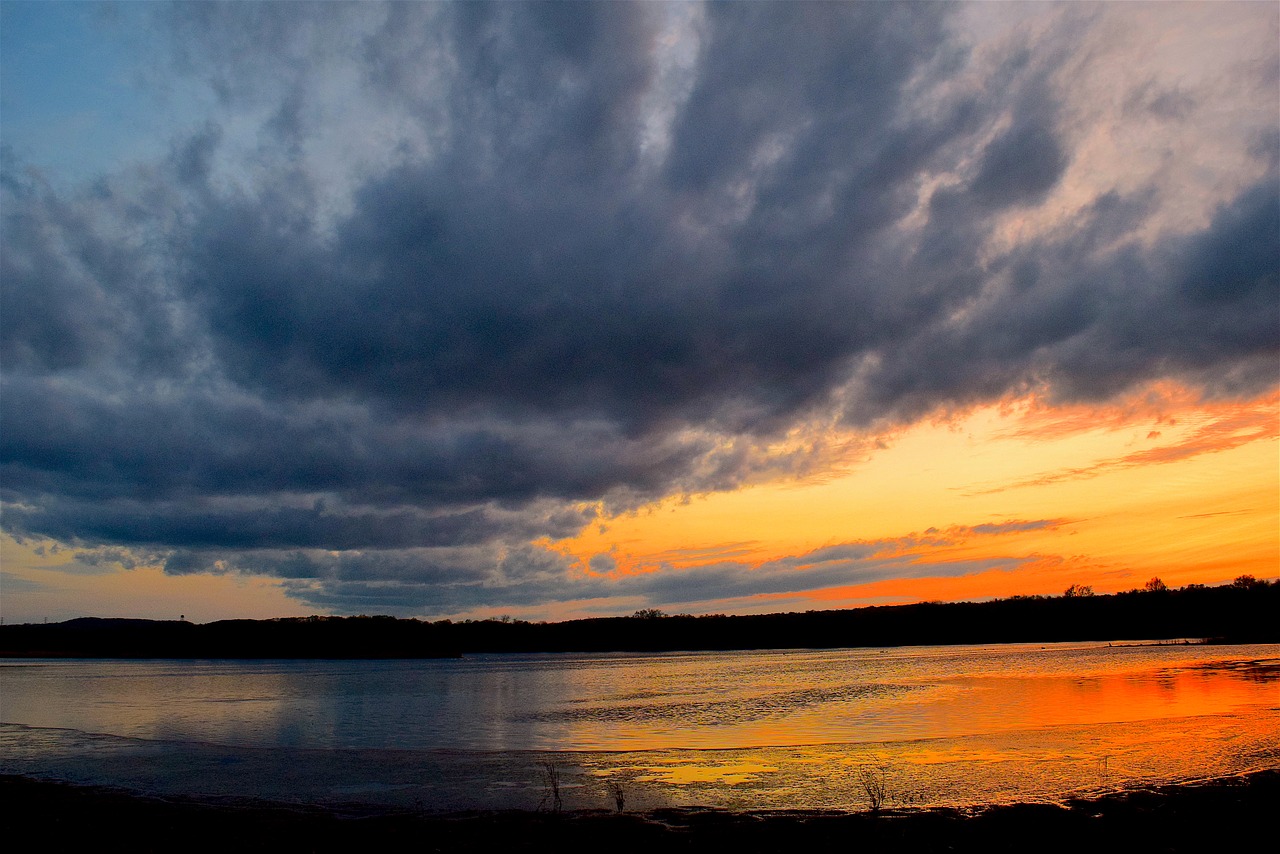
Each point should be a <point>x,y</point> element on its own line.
<point>1037,703</point>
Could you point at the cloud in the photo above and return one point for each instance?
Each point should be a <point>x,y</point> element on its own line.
<point>430,283</point>
<point>1228,430</point>
<point>12,583</point>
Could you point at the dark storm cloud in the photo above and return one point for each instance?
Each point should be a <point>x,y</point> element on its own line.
<point>242,523</point>
<point>82,285</point>
<point>581,270</point>
<point>167,444</point>
<point>1085,323</point>
<point>538,263</point>
<point>1020,165</point>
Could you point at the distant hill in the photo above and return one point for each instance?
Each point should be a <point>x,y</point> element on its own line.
<point>1244,611</point>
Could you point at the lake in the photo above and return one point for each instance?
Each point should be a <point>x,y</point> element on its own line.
<point>950,726</point>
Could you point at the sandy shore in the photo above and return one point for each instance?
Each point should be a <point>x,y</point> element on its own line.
<point>1215,815</point>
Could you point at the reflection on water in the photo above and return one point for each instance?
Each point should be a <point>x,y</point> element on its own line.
<point>757,729</point>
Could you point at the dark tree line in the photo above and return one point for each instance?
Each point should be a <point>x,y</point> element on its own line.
<point>1244,611</point>
<point>302,637</point>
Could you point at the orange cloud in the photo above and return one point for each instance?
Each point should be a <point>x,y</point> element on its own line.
<point>1225,427</point>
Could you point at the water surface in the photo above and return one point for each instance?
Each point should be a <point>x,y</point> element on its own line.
<point>771,729</point>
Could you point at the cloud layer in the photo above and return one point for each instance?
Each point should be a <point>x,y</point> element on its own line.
<point>433,285</point>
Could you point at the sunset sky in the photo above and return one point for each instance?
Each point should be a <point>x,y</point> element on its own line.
<point>559,310</point>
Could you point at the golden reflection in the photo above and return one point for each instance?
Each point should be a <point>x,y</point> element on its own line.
<point>685,773</point>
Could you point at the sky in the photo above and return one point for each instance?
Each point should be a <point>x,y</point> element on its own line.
<point>560,310</point>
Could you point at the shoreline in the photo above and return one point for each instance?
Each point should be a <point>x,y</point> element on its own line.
<point>1214,814</point>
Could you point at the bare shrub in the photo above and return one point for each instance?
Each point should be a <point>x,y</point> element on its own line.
<point>874,780</point>
<point>551,782</point>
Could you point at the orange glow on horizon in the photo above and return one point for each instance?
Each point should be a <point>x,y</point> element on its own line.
<point>1160,484</point>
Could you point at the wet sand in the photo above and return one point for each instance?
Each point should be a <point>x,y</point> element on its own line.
<point>1226,814</point>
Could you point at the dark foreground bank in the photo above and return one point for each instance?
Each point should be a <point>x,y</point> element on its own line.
<point>1233,814</point>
